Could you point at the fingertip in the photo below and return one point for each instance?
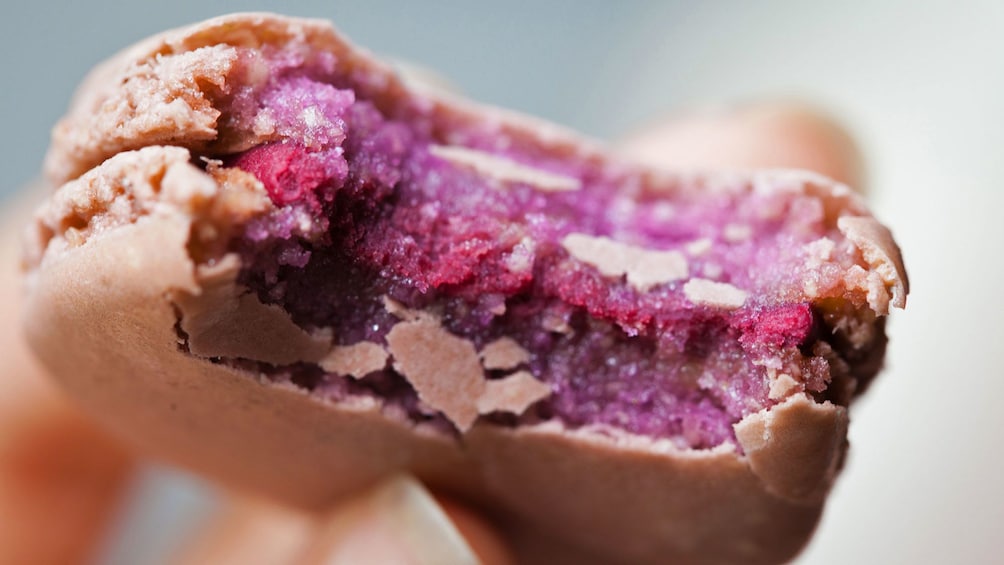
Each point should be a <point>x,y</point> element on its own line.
<point>61,478</point>
<point>247,530</point>
<point>481,536</point>
<point>777,134</point>
<point>399,521</point>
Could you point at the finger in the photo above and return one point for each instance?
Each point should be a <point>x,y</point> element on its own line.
<point>762,135</point>
<point>398,521</point>
<point>250,532</point>
<point>60,478</point>
<point>482,537</point>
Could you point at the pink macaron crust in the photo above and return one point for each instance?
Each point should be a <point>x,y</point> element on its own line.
<point>368,207</point>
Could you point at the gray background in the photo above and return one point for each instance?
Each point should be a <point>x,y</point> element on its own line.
<point>920,83</point>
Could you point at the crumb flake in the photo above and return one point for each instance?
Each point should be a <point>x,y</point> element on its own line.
<point>698,247</point>
<point>505,170</point>
<point>781,386</point>
<point>555,322</point>
<point>819,251</point>
<point>402,312</point>
<point>444,369</point>
<point>223,320</point>
<point>514,393</point>
<point>520,259</point>
<point>503,353</point>
<point>356,360</point>
<point>714,294</point>
<point>645,268</point>
<point>736,233</point>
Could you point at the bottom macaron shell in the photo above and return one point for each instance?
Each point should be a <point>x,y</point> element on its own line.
<point>633,500</point>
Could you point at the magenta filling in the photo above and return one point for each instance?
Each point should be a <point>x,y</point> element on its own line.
<point>364,211</point>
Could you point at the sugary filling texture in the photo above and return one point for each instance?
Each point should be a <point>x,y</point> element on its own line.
<point>670,315</point>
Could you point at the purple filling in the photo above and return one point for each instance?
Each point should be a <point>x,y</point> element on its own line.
<point>365,209</point>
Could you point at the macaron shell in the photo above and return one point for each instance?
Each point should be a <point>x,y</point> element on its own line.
<point>102,315</point>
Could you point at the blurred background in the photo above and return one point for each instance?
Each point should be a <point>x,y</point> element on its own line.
<point>920,84</point>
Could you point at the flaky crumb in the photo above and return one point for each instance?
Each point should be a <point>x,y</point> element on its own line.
<point>736,233</point>
<point>402,312</point>
<point>505,170</point>
<point>356,360</point>
<point>444,369</point>
<point>503,353</point>
<point>781,386</point>
<point>698,247</point>
<point>714,294</point>
<point>645,268</point>
<point>514,393</point>
<point>223,320</point>
<point>819,251</point>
